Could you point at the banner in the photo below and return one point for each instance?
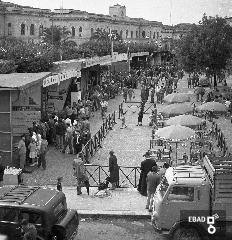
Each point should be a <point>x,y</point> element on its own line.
<point>57,79</point>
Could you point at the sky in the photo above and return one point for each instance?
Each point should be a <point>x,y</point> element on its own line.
<point>182,11</point>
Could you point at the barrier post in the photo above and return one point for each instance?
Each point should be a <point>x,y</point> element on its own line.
<point>119,111</point>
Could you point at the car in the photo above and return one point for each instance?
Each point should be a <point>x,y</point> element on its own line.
<point>45,208</point>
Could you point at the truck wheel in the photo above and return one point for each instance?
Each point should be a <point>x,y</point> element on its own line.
<point>187,233</point>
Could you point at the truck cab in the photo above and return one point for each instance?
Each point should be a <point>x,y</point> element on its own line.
<point>45,208</point>
<point>188,195</point>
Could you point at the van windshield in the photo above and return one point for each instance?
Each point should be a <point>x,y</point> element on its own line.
<point>163,186</point>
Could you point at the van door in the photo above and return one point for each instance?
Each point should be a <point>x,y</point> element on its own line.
<point>178,199</point>
<point>9,223</point>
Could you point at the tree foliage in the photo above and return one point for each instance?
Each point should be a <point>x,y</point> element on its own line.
<point>28,57</point>
<point>207,47</point>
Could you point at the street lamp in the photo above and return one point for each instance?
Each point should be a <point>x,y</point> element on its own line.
<point>128,54</point>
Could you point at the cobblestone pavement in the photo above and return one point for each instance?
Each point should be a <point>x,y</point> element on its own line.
<point>129,144</point>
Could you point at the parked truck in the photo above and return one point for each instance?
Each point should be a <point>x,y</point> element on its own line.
<point>195,202</point>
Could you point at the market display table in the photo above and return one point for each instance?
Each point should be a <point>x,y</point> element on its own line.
<point>12,176</point>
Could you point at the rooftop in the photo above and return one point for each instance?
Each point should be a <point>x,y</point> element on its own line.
<point>21,80</point>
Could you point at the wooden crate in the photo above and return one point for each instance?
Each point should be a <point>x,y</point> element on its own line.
<point>10,179</point>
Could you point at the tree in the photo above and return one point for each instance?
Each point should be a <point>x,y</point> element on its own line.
<point>59,38</point>
<point>28,57</point>
<point>207,47</point>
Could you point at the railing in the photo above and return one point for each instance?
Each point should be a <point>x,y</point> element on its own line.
<point>128,176</point>
<point>94,143</point>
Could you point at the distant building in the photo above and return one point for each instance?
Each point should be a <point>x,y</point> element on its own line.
<point>28,23</point>
<point>224,8</point>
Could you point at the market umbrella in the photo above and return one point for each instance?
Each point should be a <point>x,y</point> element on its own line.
<point>199,90</point>
<point>184,120</point>
<point>177,98</point>
<point>212,106</point>
<point>204,82</point>
<point>175,133</point>
<point>176,109</point>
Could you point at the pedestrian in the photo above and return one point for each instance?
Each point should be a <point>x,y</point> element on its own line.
<point>152,94</point>
<point>68,139</point>
<point>59,184</point>
<point>43,152</point>
<point>153,180</point>
<point>140,118</point>
<point>114,170</point>
<point>125,91</point>
<point>164,169</point>
<point>146,167</point>
<point>123,120</point>
<point>29,230</point>
<point>130,93</point>
<point>77,142</point>
<point>22,152</point>
<point>33,151</point>
<point>80,174</point>
<point>60,132</point>
<point>2,169</point>
<point>185,158</point>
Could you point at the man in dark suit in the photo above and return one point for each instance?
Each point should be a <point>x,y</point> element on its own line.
<point>146,167</point>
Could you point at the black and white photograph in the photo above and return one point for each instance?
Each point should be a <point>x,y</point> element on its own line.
<point>115,120</point>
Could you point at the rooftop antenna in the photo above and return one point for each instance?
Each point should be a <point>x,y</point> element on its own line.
<point>170,12</point>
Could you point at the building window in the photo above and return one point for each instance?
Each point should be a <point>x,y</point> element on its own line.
<point>157,35</point>
<point>121,32</point>
<point>9,29</point>
<point>22,29</point>
<point>137,34</point>
<point>143,34</point>
<point>150,34</point>
<point>40,30</point>
<point>80,31</point>
<point>126,33</point>
<point>32,29</point>
<point>154,35</point>
<point>132,33</point>
<point>73,32</point>
<point>92,31</point>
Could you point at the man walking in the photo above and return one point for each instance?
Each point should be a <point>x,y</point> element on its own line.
<point>22,152</point>
<point>153,180</point>
<point>68,139</point>
<point>43,151</point>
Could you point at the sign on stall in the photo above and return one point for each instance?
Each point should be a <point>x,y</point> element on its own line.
<point>22,120</point>
<point>57,79</point>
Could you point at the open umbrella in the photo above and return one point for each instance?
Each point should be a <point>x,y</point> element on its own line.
<point>177,98</point>
<point>204,82</point>
<point>184,120</point>
<point>212,106</point>
<point>175,133</point>
<point>176,109</point>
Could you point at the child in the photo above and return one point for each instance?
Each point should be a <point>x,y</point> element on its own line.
<point>59,183</point>
<point>33,151</point>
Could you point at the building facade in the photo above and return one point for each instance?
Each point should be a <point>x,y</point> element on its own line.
<point>28,23</point>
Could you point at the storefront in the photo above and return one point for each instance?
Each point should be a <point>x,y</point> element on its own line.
<point>20,106</point>
<point>59,91</point>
